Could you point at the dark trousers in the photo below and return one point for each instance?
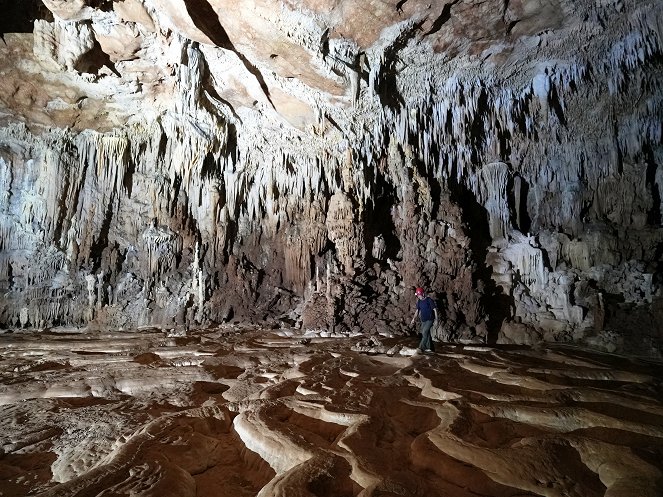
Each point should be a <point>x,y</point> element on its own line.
<point>426,340</point>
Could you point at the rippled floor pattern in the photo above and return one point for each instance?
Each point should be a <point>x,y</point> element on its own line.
<point>225,412</point>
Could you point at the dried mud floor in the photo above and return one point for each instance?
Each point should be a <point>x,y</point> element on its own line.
<point>243,413</point>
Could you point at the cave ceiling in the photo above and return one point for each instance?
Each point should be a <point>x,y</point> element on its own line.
<point>101,65</point>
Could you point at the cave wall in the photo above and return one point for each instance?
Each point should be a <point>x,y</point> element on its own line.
<point>162,170</point>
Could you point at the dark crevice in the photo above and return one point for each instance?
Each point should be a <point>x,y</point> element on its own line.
<point>176,186</point>
<point>334,123</point>
<point>97,248</point>
<point>127,180</point>
<point>478,128</point>
<point>93,61</point>
<point>206,19</point>
<point>505,140</point>
<point>378,219</point>
<point>521,208</point>
<point>444,16</point>
<point>557,106</point>
<point>10,276</point>
<point>163,146</point>
<point>654,216</point>
<point>510,27</point>
<point>497,305</point>
<point>19,17</point>
<point>386,85</point>
<point>324,43</point>
<point>657,278</point>
<point>210,90</point>
<point>257,74</point>
<point>103,5</point>
<point>210,167</point>
<point>62,208</point>
<point>229,150</point>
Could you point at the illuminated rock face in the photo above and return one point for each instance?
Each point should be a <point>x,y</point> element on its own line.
<point>179,162</point>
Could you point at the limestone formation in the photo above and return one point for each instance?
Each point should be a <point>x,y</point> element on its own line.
<point>234,411</point>
<point>193,162</point>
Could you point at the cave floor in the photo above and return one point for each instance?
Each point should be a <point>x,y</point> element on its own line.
<point>241,412</point>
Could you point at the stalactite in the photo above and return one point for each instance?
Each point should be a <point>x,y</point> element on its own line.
<point>492,193</point>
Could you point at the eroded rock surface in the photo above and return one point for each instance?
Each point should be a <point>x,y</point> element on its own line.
<point>181,162</point>
<point>232,411</point>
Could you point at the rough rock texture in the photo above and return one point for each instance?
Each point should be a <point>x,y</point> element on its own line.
<point>221,412</point>
<point>178,162</point>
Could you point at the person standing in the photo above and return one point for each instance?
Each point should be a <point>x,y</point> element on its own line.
<point>427,312</point>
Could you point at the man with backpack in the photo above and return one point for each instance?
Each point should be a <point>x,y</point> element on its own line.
<point>427,312</point>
